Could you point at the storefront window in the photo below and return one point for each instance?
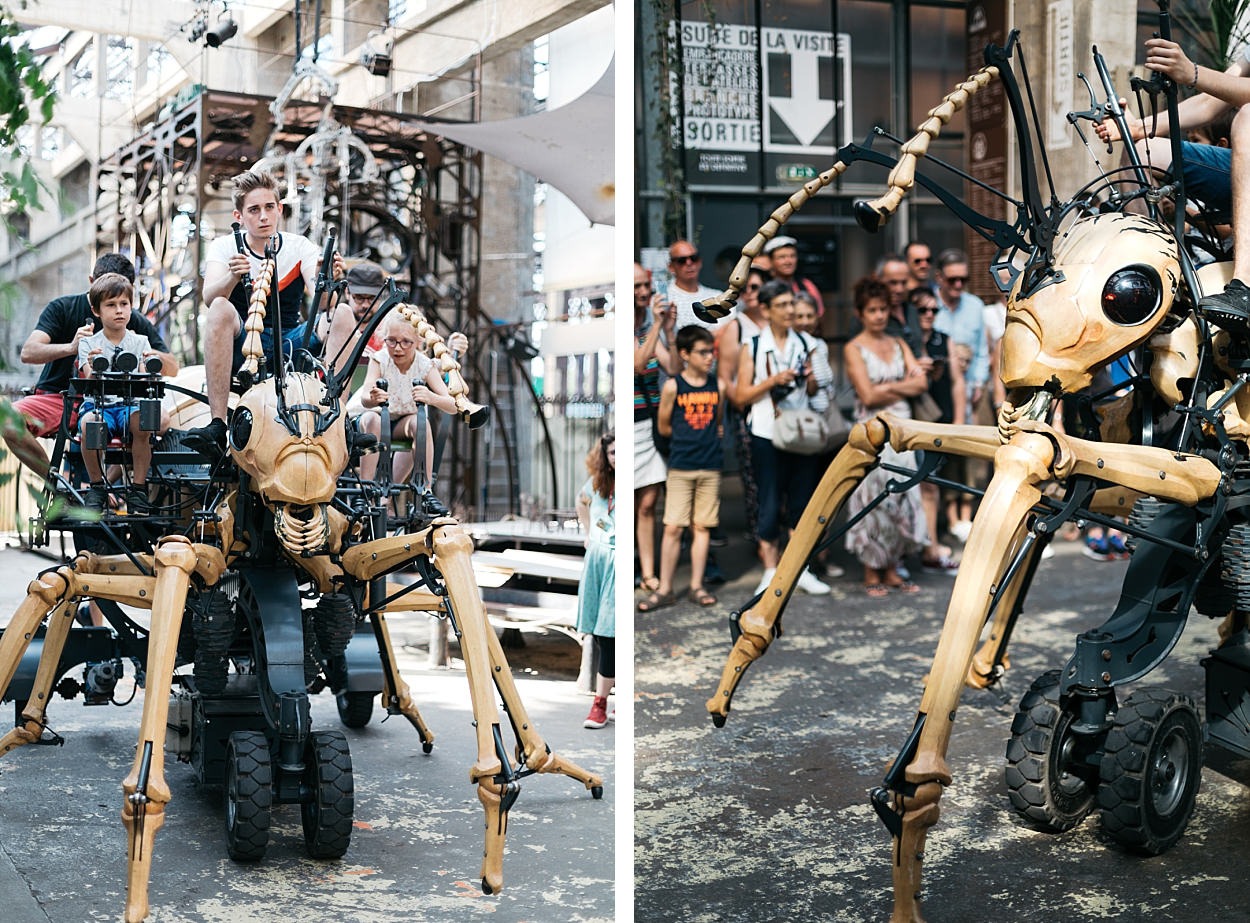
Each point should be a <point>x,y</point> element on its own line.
<point>763,94</point>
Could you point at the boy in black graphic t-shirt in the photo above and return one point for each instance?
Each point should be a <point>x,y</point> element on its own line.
<point>691,411</point>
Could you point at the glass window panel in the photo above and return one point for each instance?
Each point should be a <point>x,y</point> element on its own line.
<point>870,26</point>
<point>82,73</point>
<point>120,63</point>
<point>937,64</point>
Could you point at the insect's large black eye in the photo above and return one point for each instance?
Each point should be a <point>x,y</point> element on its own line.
<point>1131,295</point>
<point>240,428</point>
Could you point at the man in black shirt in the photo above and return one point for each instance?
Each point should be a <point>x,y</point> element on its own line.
<point>54,343</point>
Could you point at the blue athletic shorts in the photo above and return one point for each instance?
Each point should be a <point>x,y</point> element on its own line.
<point>116,416</point>
<point>1207,170</point>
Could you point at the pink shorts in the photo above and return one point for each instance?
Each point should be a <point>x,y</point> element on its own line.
<point>42,412</point>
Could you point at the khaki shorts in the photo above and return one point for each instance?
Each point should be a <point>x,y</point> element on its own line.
<point>692,498</point>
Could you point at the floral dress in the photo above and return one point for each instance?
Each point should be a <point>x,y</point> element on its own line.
<point>896,526</point>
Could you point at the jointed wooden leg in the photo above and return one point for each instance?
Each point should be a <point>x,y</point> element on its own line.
<point>42,596</point>
<point>395,692</point>
<point>757,624</point>
<point>1019,468</point>
<point>453,549</point>
<point>60,620</point>
<point>537,754</point>
<point>990,660</point>
<point>146,792</point>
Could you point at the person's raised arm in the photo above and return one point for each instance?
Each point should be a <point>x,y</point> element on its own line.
<point>373,395</point>
<point>220,278</point>
<point>1218,92</point>
<point>40,350</point>
<point>668,400</point>
<point>728,350</point>
<point>434,393</point>
<point>746,390</point>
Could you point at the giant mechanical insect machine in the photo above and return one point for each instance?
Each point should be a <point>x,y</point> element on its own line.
<point>282,516</point>
<point>1099,276</point>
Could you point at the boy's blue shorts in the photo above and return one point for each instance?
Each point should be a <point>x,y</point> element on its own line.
<point>116,416</point>
<point>1208,174</point>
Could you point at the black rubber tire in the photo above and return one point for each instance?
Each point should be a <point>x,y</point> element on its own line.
<point>327,815</point>
<point>249,795</point>
<point>1151,768</point>
<point>1042,784</point>
<point>355,708</point>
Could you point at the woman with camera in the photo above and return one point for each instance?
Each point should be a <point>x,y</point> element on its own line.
<point>778,370</point>
<point>885,376</point>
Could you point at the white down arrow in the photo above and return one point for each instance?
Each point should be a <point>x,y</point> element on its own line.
<point>805,113</point>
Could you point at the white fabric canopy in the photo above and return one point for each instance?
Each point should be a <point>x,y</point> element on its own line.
<point>569,148</point>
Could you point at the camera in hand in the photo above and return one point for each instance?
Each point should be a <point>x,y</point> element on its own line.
<point>779,392</point>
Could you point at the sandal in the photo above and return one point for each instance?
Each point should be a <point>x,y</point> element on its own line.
<point>657,601</point>
<point>649,584</point>
<point>702,597</point>
<point>876,590</point>
<point>904,586</point>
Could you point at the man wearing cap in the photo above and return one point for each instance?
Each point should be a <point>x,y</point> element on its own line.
<point>784,253</point>
<point>365,282</point>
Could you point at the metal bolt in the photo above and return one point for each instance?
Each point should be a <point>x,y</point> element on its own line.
<point>1100,463</point>
<point>1106,655</point>
<point>1106,677</point>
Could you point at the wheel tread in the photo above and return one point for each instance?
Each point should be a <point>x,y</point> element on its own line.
<point>248,838</point>
<point>1026,774</point>
<point>1123,794</point>
<point>328,820</point>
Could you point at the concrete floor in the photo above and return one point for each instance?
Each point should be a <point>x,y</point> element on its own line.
<point>768,818</point>
<point>417,844</point>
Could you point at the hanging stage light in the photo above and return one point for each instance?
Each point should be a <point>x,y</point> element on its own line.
<point>221,33</point>
<point>375,54</point>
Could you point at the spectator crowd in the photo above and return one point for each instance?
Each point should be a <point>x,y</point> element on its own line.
<point>759,393</point>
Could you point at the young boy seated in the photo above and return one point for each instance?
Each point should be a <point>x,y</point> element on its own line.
<point>110,297</point>
<point>691,410</point>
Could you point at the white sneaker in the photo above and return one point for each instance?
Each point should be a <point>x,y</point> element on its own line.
<point>765,580</point>
<point>961,530</point>
<point>833,572</point>
<point>809,584</point>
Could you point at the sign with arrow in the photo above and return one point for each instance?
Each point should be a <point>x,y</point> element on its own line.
<point>800,90</point>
